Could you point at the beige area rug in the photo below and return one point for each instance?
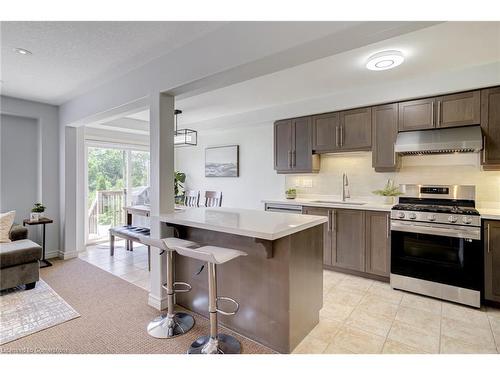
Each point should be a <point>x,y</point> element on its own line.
<point>114,316</point>
<point>23,312</point>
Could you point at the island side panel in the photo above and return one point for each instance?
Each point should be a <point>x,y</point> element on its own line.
<point>259,284</point>
<point>306,282</point>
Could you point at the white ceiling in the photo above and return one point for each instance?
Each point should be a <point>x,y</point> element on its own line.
<point>433,50</point>
<point>72,57</point>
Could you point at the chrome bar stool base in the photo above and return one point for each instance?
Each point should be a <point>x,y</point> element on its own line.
<point>167,327</point>
<point>224,344</point>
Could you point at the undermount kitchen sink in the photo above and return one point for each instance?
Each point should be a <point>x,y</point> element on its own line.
<point>340,202</point>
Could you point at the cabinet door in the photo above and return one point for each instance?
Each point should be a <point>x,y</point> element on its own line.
<point>325,132</point>
<point>378,244</point>
<point>416,115</point>
<point>384,134</point>
<point>327,231</point>
<point>302,144</point>
<point>349,237</point>
<point>490,123</point>
<point>283,145</point>
<point>355,131</point>
<point>492,260</point>
<point>459,109</point>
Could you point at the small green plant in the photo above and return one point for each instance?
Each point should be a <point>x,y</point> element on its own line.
<point>390,190</point>
<point>38,207</point>
<point>179,179</point>
<point>291,193</point>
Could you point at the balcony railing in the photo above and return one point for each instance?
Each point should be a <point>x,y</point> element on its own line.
<point>106,211</point>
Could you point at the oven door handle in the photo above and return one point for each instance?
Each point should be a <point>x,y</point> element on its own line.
<point>459,232</point>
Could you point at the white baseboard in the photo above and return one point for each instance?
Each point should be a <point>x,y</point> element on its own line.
<point>67,254</point>
<point>159,304</point>
<point>52,254</point>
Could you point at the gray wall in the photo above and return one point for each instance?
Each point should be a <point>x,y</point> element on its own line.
<point>39,169</point>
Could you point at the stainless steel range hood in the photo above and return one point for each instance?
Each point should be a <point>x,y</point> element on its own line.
<point>440,141</point>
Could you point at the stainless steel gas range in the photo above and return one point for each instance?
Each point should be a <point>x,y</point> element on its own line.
<point>436,243</point>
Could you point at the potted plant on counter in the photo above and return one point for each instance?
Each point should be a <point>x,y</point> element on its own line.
<point>37,209</point>
<point>390,192</point>
<point>291,193</point>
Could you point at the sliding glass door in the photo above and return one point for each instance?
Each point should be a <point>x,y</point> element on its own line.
<point>117,176</point>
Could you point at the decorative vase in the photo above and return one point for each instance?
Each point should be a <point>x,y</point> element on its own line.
<point>291,195</point>
<point>389,199</point>
<point>34,216</point>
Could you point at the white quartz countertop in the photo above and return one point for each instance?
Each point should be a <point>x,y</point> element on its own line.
<point>244,222</point>
<point>370,206</point>
<point>489,213</point>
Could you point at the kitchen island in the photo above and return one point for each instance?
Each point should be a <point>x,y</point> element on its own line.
<point>279,285</point>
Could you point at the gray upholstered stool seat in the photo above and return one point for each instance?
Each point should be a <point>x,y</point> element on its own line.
<point>215,343</point>
<point>172,323</point>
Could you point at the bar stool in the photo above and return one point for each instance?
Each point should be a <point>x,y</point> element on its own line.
<point>215,343</point>
<point>171,324</point>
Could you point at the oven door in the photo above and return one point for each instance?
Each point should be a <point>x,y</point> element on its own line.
<point>437,252</point>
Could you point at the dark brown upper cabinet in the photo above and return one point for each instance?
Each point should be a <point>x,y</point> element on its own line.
<point>355,130</point>
<point>378,243</point>
<point>293,146</point>
<point>492,260</point>
<point>490,124</point>
<point>384,134</point>
<point>417,115</point>
<point>325,132</point>
<point>458,109</point>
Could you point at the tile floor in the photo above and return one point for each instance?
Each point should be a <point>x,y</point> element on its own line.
<point>128,265</point>
<point>359,315</point>
<point>364,316</point>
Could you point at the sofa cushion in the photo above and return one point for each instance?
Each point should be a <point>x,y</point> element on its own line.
<point>6,221</point>
<point>18,232</point>
<point>19,252</point>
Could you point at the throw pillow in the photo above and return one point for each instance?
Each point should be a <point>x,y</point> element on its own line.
<point>6,221</point>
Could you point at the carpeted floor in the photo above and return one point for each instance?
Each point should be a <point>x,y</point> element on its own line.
<point>114,316</point>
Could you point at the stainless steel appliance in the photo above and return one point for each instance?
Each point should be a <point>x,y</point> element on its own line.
<point>288,208</point>
<point>436,243</point>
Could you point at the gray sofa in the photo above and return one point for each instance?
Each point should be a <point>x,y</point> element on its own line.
<point>19,260</point>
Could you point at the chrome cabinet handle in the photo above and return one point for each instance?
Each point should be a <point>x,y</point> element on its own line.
<point>341,135</point>
<point>488,240</point>
<point>388,227</point>
<point>294,158</point>
<point>439,113</point>
<point>289,159</point>
<point>334,221</point>
<point>337,136</point>
<point>484,149</point>
<point>329,220</point>
<point>432,114</point>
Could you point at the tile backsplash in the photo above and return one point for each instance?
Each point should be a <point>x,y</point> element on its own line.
<point>460,169</point>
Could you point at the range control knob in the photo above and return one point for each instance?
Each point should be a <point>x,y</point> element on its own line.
<point>401,215</point>
<point>412,216</point>
<point>466,219</point>
<point>431,217</point>
<point>452,219</point>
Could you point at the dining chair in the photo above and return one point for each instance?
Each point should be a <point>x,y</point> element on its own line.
<point>192,198</point>
<point>213,198</point>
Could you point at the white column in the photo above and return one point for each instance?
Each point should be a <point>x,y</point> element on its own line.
<point>161,129</point>
<point>74,194</point>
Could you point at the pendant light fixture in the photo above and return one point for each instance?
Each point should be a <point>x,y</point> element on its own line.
<point>184,137</point>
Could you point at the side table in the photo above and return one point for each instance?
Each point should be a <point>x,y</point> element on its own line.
<point>42,221</point>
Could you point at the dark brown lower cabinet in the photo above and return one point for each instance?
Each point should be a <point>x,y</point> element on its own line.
<point>355,240</point>
<point>492,260</point>
<point>378,243</point>
<point>327,232</point>
<point>348,250</point>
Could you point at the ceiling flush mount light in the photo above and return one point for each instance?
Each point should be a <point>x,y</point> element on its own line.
<point>385,60</point>
<point>184,137</point>
<point>22,51</point>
